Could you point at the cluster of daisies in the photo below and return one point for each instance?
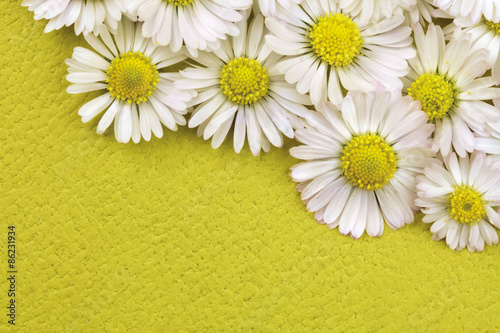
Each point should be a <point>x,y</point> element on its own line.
<point>394,114</point>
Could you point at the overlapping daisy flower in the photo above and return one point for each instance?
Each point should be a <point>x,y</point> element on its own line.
<point>459,201</point>
<point>489,142</point>
<point>369,11</point>
<point>419,11</point>
<point>486,36</point>
<point>197,24</point>
<point>475,9</point>
<point>86,16</point>
<point>447,80</point>
<point>238,84</point>
<point>371,90</point>
<point>361,161</point>
<point>268,7</point>
<point>137,95</point>
<point>328,50</point>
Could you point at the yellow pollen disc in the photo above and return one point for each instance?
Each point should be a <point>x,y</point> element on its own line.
<point>466,205</point>
<point>436,93</point>
<point>179,2</point>
<point>132,77</point>
<point>495,27</point>
<point>336,39</point>
<point>244,81</point>
<point>368,161</point>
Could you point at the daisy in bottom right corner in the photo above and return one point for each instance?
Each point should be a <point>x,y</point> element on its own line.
<point>459,200</point>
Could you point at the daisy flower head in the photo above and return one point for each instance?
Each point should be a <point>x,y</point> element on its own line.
<point>474,9</point>
<point>327,50</point>
<point>361,160</point>
<point>198,24</point>
<point>458,200</point>
<point>137,92</point>
<point>446,79</point>
<point>86,16</point>
<point>238,84</point>
<point>268,7</point>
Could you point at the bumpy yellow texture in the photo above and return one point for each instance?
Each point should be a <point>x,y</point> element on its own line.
<point>173,236</point>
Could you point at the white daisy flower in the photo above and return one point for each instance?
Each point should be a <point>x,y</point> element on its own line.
<point>87,16</point>
<point>137,94</point>
<point>419,11</point>
<point>369,11</point>
<point>446,79</point>
<point>459,201</point>
<point>268,7</point>
<point>199,24</point>
<point>238,84</point>
<point>486,35</point>
<point>474,9</point>
<point>328,49</point>
<point>361,161</point>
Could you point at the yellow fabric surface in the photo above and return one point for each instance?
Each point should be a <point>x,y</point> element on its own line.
<point>173,236</point>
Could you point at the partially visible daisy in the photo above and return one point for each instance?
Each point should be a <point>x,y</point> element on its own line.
<point>328,50</point>
<point>446,79</point>
<point>136,94</point>
<point>361,161</point>
<point>495,162</point>
<point>486,35</point>
<point>199,24</point>
<point>87,16</point>
<point>420,11</point>
<point>268,7</point>
<point>370,11</point>
<point>489,142</point>
<point>459,201</point>
<point>474,9</point>
<point>239,85</point>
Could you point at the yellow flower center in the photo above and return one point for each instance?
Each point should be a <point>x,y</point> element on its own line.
<point>466,205</point>
<point>336,39</point>
<point>179,2</point>
<point>244,81</point>
<point>368,161</point>
<point>436,93</point>
<point>495,27</point>
<point>132,77</point>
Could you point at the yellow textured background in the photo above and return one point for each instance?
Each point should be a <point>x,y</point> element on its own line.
<point>174,236</point>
